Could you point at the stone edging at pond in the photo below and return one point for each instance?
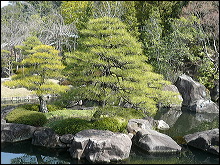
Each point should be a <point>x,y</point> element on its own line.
<point>95,145</point>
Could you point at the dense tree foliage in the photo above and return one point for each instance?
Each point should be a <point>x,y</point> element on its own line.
<point>111,69</point>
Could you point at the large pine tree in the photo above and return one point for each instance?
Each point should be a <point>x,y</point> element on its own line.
<point>109,68</point>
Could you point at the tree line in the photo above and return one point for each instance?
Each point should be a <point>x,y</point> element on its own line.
<point>108,47</point>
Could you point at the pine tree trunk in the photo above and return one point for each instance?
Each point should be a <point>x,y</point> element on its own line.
<point>43,105</point>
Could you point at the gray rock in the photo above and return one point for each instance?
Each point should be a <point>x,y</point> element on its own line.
<point>205,140</point>
<point>100,146</point>
<point>47,137</point>
<point>67,138</point>
<point>11,132</point>
<point>195,95</point>
<point>135,125</point>
<point>155,142</point>
<point>162,125</point>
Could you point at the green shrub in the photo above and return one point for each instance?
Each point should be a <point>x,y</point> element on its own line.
<point>35,107</point>
<point>52,107</point>
<point>70,125</point>
<point>30,107</point>
<point>110,123</point>
<point>67,113</point>
<point>110,111</point>
<point>74,125</point>
<point>23,116</point>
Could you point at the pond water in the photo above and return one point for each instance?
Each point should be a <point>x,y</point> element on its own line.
<point>180,122</point>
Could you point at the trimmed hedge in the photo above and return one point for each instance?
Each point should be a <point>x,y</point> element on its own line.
<point>126,113</point>
<point>74,125</point>
<point>35,107</point>
<point>30,107</point>
<point>111,124</point>
<point>70,125</point>
<point>23,116</point>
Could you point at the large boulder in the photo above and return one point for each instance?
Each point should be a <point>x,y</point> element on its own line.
<point>205,140</point>
<point>195,95</point>
<point>100,146</point>
<point>46,137</point>
<point>154,142</point>
<point>11,132</point>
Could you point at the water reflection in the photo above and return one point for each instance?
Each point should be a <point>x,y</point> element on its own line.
<point>185,122</point>
<point>186,156</point>
<point>30,154</point>
<point>25,153</point>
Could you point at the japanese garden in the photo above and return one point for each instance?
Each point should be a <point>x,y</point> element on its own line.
<point>110,82</point>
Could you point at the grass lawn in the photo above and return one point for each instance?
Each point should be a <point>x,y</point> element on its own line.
<point>18,92</point>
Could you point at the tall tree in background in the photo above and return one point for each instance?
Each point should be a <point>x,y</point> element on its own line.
<point>79,12</point>
<point>124,10</point>
<point>42,64</point>
<point>23,19</point>
<point>109,68</point>
<point>208,14</point>
<point>6,63</point>
<point>13,32</point>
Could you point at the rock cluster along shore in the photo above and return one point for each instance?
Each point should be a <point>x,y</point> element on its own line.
<point>94,145</point>
<point>205,140</point>
<point>105,146</point>
<point>195,95</point>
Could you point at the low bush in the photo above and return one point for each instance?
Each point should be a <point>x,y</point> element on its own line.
<point>74,125</point>
<point>23,116</point>
<point>110,123</point>
<point>70,125</point>
<point>109,111</point>
<point>52,107</point>
<point>67,113</point>
<point>30,107</point>
<point>35,107</point>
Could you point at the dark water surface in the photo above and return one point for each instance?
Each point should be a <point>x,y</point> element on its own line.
<point>180,122</point>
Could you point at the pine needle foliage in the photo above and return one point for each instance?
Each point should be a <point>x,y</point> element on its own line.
<point>109,67</point>
<point>44,63</point>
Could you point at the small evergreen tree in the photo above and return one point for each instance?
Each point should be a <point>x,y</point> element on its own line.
<point>42,64</point>
<point>109,68</point>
